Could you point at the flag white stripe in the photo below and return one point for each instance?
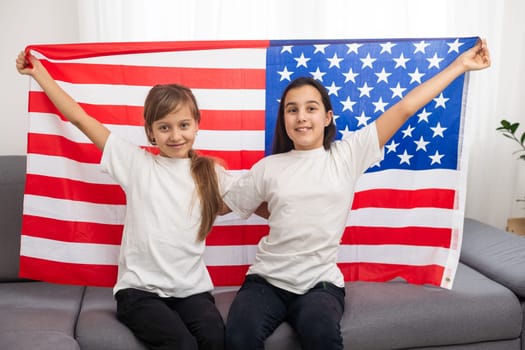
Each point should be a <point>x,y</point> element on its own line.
<point>218,140</point>
<point>393,254</point>
<point>51,124</point>
<point>233,219</point>
<point>67,252</point>
<point>60,167</point>
<point>249,58</point>
<point>424,217</point>
<point>230,140</point>
<point>131,95</point>
<point>62,209</point>
<point>107,254</point>
<point>409,179</point>
<point>230,255</point>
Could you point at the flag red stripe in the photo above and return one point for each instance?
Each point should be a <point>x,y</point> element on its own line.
<point>67,273</point>
<point>235,160</point>
<point>228,275</point>
<point>405,199</point>
<point>377,272</point>
<point>55,187</point>
<point>236,235</point>
<point>105,275</point>
<point>53,145</point>
<point>416,236</point>
<point>106,114</point>
<point>132,115</point>
<point>196,78</point>
<point>90,232</point>
<point>71,231</point>
<point>232,120</point>
<point>85,50</point>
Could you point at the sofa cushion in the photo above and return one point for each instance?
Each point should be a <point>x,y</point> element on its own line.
<point>398,315</point>
<point>44,308</point>
<point>12,180</point>
<point>496,253</point>
<point>499,345</point>
<point>98,326</point>
<point>37,340</point>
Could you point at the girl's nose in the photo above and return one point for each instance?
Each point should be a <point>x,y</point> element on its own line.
<point>174,135</point>
<point>301,116</point>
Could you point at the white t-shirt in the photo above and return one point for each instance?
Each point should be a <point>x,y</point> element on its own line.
<point>309,195</point>
<point>159,252</point>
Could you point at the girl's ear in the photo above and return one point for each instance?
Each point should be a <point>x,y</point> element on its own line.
<point>149,135</point>
<point>329,117</point>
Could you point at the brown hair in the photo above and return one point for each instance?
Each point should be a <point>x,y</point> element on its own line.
<point>281,141</point>
<point>161,100</point>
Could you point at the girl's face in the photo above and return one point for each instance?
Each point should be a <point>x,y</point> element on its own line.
<point>305,117</point>
<point>175,133</point>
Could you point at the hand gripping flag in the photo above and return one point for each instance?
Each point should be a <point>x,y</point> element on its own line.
<point>407,216</point>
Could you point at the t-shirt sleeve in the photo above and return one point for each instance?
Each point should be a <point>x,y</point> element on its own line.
<point>243,198</point>
<point>226,179</point>
<point>118,157</point>
<point>361,150</point>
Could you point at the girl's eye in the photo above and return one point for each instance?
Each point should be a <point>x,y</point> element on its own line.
<point>163,127</point>
<point>184,125</point>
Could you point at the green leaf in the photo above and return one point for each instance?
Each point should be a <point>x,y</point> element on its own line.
<point>505,124</point>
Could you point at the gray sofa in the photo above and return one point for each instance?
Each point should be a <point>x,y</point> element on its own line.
<point>484,310</point>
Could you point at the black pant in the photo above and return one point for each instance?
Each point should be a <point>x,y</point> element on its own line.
<point>172,323</point>
<point>259,308</point>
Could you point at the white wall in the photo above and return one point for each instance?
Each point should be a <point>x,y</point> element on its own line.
<point>23,23</point>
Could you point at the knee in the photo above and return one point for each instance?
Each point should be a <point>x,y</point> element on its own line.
<point>322,334</point>
<point>238,340</point>
<point>187,342</point>
<point>242,338</point>
<point>210,334</point>
<point>212,338</point>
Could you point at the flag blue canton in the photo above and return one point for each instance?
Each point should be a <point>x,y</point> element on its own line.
<point>366,77</point>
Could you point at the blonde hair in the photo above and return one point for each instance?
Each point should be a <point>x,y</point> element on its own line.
<point>161,100</point>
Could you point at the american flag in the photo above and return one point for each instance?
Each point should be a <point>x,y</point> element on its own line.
<point>407,216</point>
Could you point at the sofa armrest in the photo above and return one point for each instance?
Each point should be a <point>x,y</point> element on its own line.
<point>497,254</point>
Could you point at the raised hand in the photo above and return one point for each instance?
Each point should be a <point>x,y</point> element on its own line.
<point>478,57</point>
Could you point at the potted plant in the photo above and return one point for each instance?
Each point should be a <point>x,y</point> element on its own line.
<point>510,130</point>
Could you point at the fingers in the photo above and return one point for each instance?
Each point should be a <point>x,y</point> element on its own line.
<point>483,52</point>
<point>23,62</point>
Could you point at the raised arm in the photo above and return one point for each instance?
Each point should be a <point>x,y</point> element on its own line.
<point>389,122</point>
<point>91,127</point>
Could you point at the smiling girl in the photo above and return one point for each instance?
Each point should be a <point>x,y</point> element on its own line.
<point>308,185</point>
<point>163,286</point>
